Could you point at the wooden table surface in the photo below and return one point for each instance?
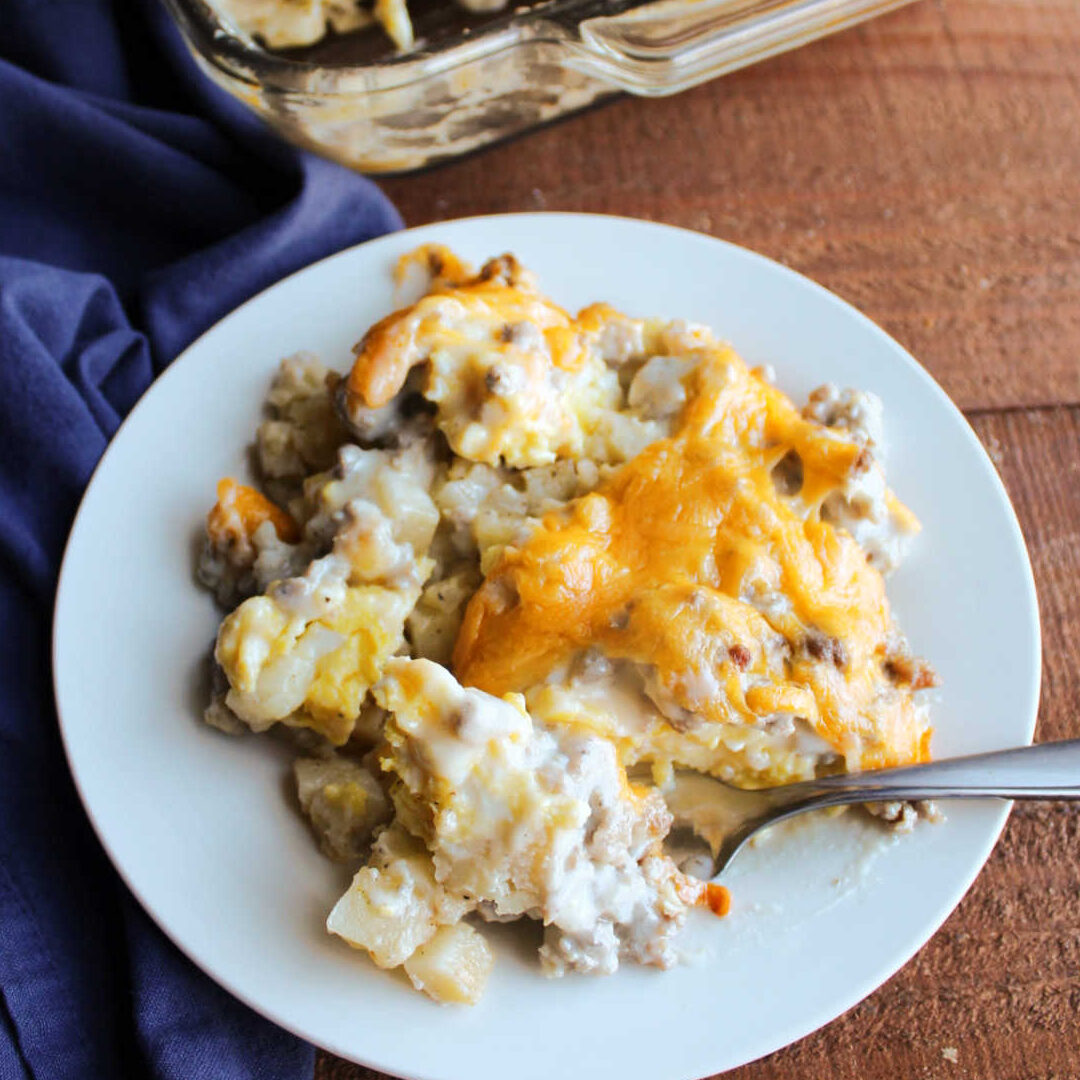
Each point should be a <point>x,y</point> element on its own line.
<point>926,167</point>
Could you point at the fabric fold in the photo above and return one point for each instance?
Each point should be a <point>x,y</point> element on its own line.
<point>138,205</point>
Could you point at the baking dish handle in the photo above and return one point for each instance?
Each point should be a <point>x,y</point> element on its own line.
<point>670,45</point>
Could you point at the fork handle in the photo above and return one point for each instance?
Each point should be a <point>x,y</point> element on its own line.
<point>1045,771</point>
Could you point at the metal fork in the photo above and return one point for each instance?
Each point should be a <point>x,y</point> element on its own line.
<point>1046,771</point>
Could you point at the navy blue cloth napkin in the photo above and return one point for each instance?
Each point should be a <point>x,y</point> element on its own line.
<point>138,204</point>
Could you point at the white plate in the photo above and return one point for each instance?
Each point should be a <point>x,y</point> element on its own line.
<point>201,826</point>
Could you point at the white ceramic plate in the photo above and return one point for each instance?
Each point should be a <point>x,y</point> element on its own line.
<point>202,828</point>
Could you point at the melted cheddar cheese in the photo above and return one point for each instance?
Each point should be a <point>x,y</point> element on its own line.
<point>690,563</point>
<point>240,510</point>
<point>514,378</point>
<point>631,550</point>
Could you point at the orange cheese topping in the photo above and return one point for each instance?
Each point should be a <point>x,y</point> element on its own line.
<point>671,565</point>
<point>443,266</point>
<point>240,510</point>
<point>717,898</point>
<point>396,344</point>
<point>456,310</point>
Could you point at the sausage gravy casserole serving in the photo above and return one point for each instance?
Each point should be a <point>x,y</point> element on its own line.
<point>514,569</point>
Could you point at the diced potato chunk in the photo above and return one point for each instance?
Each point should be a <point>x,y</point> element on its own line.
<point>394,906</point>
<point>344,803</point>
<point>453,966</point>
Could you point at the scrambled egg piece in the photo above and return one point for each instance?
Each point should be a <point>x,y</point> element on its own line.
<point>308,650</point>
<point>310,672</point>
<point>514,378</point>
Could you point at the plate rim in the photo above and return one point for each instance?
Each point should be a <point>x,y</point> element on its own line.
<point>839,1004</point>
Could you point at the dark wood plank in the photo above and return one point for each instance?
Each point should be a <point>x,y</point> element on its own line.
<point>925,166</point>
<point>1037,453</point>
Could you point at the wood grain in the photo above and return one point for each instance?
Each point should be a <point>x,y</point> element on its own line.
<point>925,166</point>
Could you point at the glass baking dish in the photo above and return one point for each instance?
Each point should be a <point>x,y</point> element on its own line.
<point>473,79</point>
